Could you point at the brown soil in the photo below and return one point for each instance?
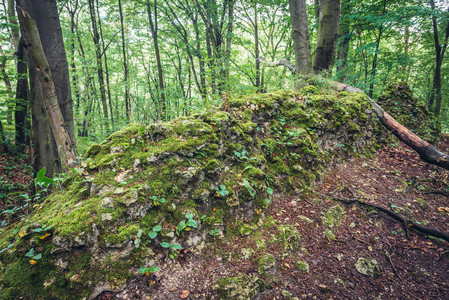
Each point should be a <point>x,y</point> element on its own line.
<point>415,268</point>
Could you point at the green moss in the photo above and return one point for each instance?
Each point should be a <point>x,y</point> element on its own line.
<point>266,264</point>
<point>290,237</point>
<point>125,232</point>
<point>309,89</point>
<point>240,287</point>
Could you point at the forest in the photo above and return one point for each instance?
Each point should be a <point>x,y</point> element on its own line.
<point>141,138</point>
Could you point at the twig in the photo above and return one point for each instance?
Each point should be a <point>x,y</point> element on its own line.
<point>391,262</point>
<point>438,193</point>
<point>395,216</point>
<point>411,186</point>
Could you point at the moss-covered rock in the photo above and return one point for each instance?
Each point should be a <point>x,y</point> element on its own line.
<point>399,102</point>
<point>290,237</point>
<point>369,267</point>
<point>174,182</point>
<point>334,216</point>
<point>266,265</point>
<point>241,287</point>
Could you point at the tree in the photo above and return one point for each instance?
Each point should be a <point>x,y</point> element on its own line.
<point>98,52</point>
<point>439,56</point>
<point>53,91</point>
<point>329,22</point>
<point>300,35</point>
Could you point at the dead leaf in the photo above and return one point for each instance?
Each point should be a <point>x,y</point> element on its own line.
<point>443,209</point>
<point>184,294</point>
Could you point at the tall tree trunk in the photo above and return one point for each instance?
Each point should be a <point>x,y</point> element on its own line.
<point>300,34</point>
<point>125,64</point>
<point>154,32</point>
<point>38,59</point>
<point>98,54</point>
<point>344,40</point>
<point>20,111</point>
<point>256,47</point>
<point>439,56</point>
<point>106,67</point>
<point>327,36</point>
<point>376,54</point>
<point>22,90</point>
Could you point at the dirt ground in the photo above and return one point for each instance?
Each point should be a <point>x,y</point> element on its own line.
<point>414,267</point>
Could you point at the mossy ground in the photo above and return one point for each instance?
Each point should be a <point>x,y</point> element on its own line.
<point>209,165</point>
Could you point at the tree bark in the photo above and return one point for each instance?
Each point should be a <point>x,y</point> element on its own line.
<point>39,62</point>
<point>439,56</point>
<point>300,35</point>
<point>327,36</point>
<point>22,102</point>
<point>376,54</point>
<point>344,40</point>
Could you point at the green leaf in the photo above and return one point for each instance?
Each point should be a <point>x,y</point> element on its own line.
<point>152,234</point>
<point>157,228</point>
<point>40,175</point>
<point>269,191</point>
<point>38,256</point>
<point>192,223</point>
<point>37,230</point>
<point>189,215</point>
<point>176,246</point>
<point>139,233</point>
<point>248,187</point>
<point>222,187</point>
<point>153,269</point>
<point>30,253</point>
<point>267,201</point>
<point>143,270</point>
<point>165,245</point>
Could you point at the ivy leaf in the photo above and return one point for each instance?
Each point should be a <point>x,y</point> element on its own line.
<point>176,246</point>
<point>189,215</point>
<point>139,233</point>
<point>269,191</point>
<point>152,234</point>
<point>30,253</point>
<point>38,256</point>
<point>157,228</point>
<point>165,245</point>
<point>192,223</point>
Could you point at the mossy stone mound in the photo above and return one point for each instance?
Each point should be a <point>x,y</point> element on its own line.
<point>399,102</point>
<point>146,191</point>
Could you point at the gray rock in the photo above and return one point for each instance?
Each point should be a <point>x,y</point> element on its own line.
<point>63,244</point>
<point>107,202</point>
<point>369,267</point>
<point>106,217</point>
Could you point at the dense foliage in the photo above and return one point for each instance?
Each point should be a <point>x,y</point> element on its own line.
<point>208,50</point>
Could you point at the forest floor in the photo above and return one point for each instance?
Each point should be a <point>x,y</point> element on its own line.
<point>414,267</point>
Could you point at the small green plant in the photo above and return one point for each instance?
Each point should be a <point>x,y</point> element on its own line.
<point>249,188</point>
<point>33,256</point>
<point>241,154</point>
<point>147,270</point>
<point>157,201</point>
<point>137,240</point>
<point>186,225</point>
<point>221,191</point>
<point>171,246</point>
<point>153,233</point>
<point>214,232</point>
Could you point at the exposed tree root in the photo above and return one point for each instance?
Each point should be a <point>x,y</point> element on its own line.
<point>408,224</point>
<point>438,193</point>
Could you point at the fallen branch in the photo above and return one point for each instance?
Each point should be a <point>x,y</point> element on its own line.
<point>438,193</point>
<point>407,223</point>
